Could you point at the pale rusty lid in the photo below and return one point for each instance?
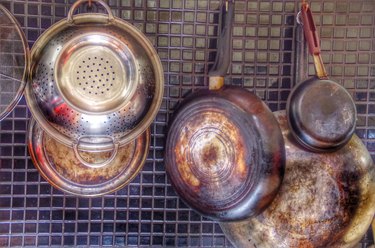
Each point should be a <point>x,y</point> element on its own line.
<point>58,164</point>
<point>14,57</point>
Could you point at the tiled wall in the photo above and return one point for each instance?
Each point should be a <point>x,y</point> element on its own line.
<point>148,212</point>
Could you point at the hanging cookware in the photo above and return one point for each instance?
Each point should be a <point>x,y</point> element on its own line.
<point>14,59</point>
<point>96,82</point>
<point>326,199</point>
<point>59,165</point>
<point>321,113</point>
<point>224,151</point>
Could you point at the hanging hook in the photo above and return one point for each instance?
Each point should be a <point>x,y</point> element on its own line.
<point>298,18</point>
<point>227,4</point>
<point>305,5</point>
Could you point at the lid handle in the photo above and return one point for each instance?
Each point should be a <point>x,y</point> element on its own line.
<point>95,165</point>
<point>70,17</point>
<point>312,38</point>
<point>223,55</point>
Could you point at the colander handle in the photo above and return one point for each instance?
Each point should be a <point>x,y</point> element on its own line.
<point>79,2</point>
<point>95,165</point>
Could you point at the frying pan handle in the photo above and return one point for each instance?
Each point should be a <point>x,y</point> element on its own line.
<point>312,38</point>
<point>95,165</point>
<point>79,2</point>
<point>310,29</point>
<point>223,55</point>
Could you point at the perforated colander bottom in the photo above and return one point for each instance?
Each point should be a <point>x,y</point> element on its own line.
<point>96,73</point>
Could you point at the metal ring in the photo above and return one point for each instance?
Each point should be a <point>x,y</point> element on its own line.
<point>79,2</point>
<point>298,18</point>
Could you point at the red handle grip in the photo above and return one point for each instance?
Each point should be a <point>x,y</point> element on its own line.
<point>309,29</point>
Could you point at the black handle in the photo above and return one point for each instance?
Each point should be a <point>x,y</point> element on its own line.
<point>301,54</point>
<point>224,48</point>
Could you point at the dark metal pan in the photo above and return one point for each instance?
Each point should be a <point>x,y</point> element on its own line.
<point>225,152</point>
<point>326,199</point>
<point>321,113</point>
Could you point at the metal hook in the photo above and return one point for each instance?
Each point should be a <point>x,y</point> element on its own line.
<point>227,4</point>
<point>298,18</point>
<point>299,27</point>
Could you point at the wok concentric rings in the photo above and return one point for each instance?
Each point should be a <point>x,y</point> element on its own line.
<point>224,154</point>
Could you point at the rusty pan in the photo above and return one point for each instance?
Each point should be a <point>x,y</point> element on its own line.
<point>321,113</point>
<point>326,200</point>
<point>225,151</point>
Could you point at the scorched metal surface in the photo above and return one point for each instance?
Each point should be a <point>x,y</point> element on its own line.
<point>147,212</point>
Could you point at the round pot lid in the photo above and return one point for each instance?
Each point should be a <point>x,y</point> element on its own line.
<point>59,165</point>
<point>14,57</point>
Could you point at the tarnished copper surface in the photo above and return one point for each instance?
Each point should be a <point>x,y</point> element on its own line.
<point>224,150</point>
<point>224,154</point>
<point>326,200</point>
<point>59,166</point>
<point>211,152</point>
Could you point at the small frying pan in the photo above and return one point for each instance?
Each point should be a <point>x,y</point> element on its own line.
<point>225,151</point>
<point>321,113</point>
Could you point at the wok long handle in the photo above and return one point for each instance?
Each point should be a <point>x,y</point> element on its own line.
<point>301,53</point>
<point>312,38</point>
<point>224,48</point>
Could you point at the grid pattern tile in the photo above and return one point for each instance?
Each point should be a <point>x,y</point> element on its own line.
<point>148,212</point>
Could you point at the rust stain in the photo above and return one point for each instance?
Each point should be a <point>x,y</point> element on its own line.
<point>68,166</point>
<point>210,154</point>
<point>321,198</point>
